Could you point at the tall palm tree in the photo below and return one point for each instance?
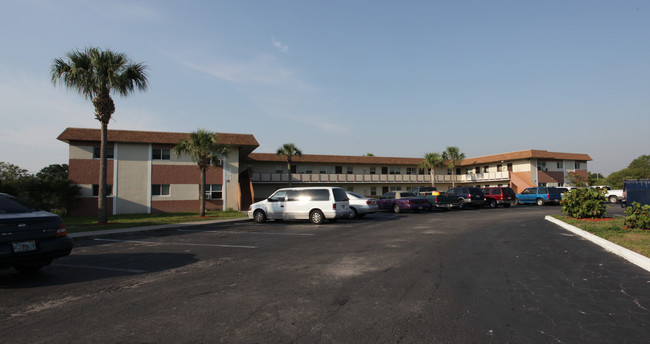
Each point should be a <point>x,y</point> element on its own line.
<point>452,157</point>
<point>203,148</point>
<point>95,74</point>
<point>289,150</point>
<point>432,161</point>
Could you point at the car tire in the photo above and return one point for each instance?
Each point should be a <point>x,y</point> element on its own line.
<point>316,217</point>
<point>259,216</point>
<point>613,199</point>
<point>493,203</point>
<point>396,209</point>
<point>353,213</point>
<point>540,202</point>
<point>461,204</point>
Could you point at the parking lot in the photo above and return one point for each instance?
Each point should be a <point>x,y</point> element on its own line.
<point>478,276</point>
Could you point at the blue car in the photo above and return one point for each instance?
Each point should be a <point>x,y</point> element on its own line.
<point>540,196</point>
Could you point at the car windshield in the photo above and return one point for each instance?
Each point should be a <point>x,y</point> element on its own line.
<point>355,195</point>
<point>12,205</point>
<point>407,194</point>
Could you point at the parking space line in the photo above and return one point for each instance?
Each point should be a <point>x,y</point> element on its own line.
<point>234,232</point>
<point>178,244</point>
<point>135,271</point>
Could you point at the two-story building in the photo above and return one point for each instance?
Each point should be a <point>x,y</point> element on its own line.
<point>146,177</point>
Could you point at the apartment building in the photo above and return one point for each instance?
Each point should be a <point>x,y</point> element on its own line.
<point>146,177</point>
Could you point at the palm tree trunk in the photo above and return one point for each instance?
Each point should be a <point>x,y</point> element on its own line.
<point>202,193</point>
<point>433,177</point>
<point>289,170</point>
<point>101,199</point>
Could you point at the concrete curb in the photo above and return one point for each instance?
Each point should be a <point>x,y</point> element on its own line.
<point>631,256</point>
<point>136,230</point>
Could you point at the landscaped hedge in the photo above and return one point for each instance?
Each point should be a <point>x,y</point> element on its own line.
<point>637,216</point>
<point>584,203</point>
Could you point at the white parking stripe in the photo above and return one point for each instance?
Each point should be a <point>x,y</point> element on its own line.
<point>99,268</point>
<point>175,243</point>
<point>234,232</point>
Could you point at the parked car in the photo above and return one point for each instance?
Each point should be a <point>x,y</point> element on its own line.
<point>316,204</point>
<point>360,205</point>
<point>613,196</point>
<point>30,238</point>
<point>397,201</point>
<point>496,196</point>
<point>467,196</point>
<point>436,198</point>
<point>636,191</point>
<point>539,196</point>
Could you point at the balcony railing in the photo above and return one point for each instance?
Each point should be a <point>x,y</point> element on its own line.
<point>270,178</point>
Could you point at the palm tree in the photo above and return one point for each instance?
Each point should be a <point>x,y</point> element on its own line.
<point>288,150</point>
<point>432,161</point>
<point>202,146</point>
<point>95,74</point>
<point>452,157</point>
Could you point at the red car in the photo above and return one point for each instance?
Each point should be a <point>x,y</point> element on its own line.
<point>499,196</point>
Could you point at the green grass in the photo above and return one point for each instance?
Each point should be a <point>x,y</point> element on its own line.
<point>637,240</point>
<point>76,224</point>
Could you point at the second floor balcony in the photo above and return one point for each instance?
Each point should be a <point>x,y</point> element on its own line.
<point>310,178</point>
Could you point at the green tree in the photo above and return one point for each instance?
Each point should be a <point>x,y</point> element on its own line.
<point>453,157</point>
<point>95,74</point>
<point>639,168</point>
<point>369,154</point>
<point>203,148</point>
<point>12,179</point>
<point>52,189</point>
<point>289,150</point>
<point>576,180</point>
<point>596,179</point>
<point>432,161</point>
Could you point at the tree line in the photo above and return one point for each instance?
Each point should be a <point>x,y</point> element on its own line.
<point>49,189</point>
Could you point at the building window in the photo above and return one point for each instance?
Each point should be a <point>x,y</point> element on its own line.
<point>373,191</point>
<point>109,190</point>
<point>477,170</point>
<point>577,165</point>
<point>384,170</point>
<point>279,169</point>
<point>541,165</point>
<point>411,170</point>
<point>326,170</point>
<point>486,169</point>
<point>560,164</point>
<point>304,169</point>
<point>350,188</point>
<point>373,170</point>
<point>542,185</point>
<point>350,170</point>
<point>499,168</point>
<point>213,191</point>
<point>109,152</point>
<point>338,169</point>
<point>395,188</point>
<point>160,190</point>
<point>161,154</point>
<point>395,170</point>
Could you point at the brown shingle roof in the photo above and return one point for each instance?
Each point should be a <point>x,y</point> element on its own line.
<point>132,136</point>
<point>373,160</point>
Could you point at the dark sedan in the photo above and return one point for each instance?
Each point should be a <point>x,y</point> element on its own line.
<point>30,238</point>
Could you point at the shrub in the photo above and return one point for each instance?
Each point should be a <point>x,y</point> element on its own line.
<point>584,203</point>
<point>637,216</point>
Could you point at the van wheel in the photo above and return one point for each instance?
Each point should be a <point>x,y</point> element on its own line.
<point>540,202</point>
<point>396,209</point>
<point>493,203</point>
<point>316,217</point>
<point>613,199</point>
<point>353,214</point>
<point>259,216</point>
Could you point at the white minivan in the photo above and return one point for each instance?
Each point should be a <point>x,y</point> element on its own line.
<point>316,204</point>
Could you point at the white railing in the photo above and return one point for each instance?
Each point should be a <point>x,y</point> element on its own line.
<point>375,178</point>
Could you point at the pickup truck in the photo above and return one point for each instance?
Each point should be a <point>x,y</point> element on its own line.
<point>402,200</point>
<point>613,196</point>
<point>436,198</point>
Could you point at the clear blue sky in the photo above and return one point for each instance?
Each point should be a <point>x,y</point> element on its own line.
<point>392,78</point>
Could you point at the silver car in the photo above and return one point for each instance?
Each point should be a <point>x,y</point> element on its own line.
<point>360,205</point>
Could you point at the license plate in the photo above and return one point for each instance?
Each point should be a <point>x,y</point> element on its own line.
<point>24,246</point>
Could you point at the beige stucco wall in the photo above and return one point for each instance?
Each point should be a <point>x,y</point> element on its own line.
<point>81,152</point>
<point>231,186</point>
<point>133,178</point>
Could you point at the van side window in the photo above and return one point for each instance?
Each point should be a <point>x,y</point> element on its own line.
<point>292,196</point>
<point>543,190</point>
<point>317,194</point>
<point>340,195</point>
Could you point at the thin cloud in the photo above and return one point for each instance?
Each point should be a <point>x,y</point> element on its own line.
<point>283,48</point>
